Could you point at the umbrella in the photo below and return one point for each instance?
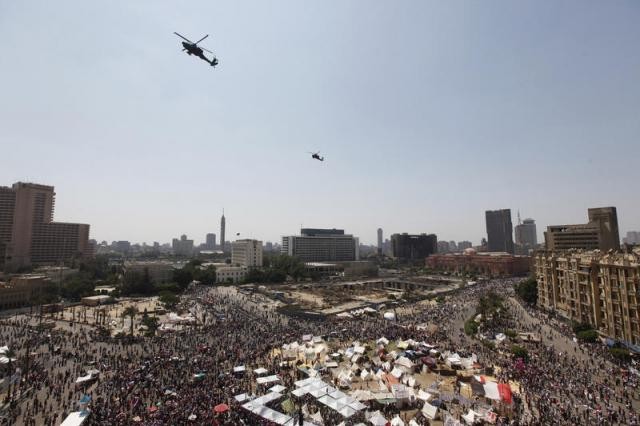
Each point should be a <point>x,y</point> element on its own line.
<point>221,408</point>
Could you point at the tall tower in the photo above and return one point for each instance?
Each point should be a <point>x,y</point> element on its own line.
<point>499,230</point>
<point>379,241</point>
<point>222,225</point>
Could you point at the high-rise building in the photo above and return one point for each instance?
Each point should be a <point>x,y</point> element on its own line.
<point>593,287</point>
<point>601,232</point>
<point>247,253</point>
<point>210,243</point>
<point>122,247</point>
<point>526,238</point>
<point>379,241</point>
<point>633,237</point>
<point>462,245</point>
<point>28,234</point>
<point>453,246</point>
<point>443,247</point>
<point>321,245</point>
<point>406,247</point>
<point>606,219</point>
<point>222,226</point>
<point>182,246</point>
<point>499,231</point>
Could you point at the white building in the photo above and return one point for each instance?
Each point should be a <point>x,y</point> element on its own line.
<point>247,253</point>
<point>322,245</point>
<point>234,274</point>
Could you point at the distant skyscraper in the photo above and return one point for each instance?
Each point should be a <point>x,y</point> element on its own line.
<point>123,247</point>
<point>210,241</point>
<point>499,230</point>
<point>462,245</point>
<point>633,237</point>
<point>525,232</point>
<point>413,247</point>
<point>379,241</point>
<point>443,247</point>
<point>182,246</point>
<point>222,226</point>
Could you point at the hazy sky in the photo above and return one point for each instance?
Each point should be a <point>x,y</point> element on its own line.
<point>428,113</point>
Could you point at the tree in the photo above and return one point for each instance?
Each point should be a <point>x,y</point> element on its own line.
<point>527,290</point>
<point>470,327</point>
<point>168,299</point>
<point>621,354</point>
<point>152,325</point>
<point>206,276</point>
<point>519,352</point>
<point>77,286</point>
<point>10,354</point>
<point>589,336</point>
<point>137,283</point>
<point>183,277</point>
<point>130,311</point>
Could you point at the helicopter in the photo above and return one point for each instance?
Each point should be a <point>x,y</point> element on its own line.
<point>316,156</point>
<point>193,49</point>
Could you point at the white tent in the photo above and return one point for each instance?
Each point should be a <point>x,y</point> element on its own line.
<point>491,391</point>
<point>425,396</point>
<point>268,379</point>
<point>76,418</point>
<point>430,411</point>
<point>470,417</point>
<point>261,371</point>
<point>239,369</point>
<point>276,388</point>
<point>242,397</point>
<point>404,361</point>
<point>397,421</point>
<point>382,341</point>
<point>377,419</point>
<point>396,372</point>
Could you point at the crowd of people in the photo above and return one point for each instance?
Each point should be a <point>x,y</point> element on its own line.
<point>178,378</point>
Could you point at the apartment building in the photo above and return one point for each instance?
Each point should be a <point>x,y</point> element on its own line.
<point>601,289</point>
<point>28,234</point>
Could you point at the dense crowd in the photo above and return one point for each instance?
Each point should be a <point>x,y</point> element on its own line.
<point>178,378</point>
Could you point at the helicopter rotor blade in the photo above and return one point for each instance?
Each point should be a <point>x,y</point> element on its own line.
<point>201,39</point>
<point>206,50</point>
<point>182,37</point>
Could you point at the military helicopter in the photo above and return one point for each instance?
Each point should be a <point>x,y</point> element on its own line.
<point>193,49</point>
<point>316,155</point>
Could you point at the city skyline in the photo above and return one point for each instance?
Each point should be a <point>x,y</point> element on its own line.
<point>453,110</point>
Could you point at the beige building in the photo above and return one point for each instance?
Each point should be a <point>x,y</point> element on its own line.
<point>22,291</point>
<point>593,287</point>
<point>601,232</point>
<point>230,274</point>
<point>159,271</point>
<point>247,253</point>
<point>28,234</point>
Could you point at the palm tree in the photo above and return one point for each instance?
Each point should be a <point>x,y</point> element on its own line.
<point>10,354</point>
<point>130,311</point>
